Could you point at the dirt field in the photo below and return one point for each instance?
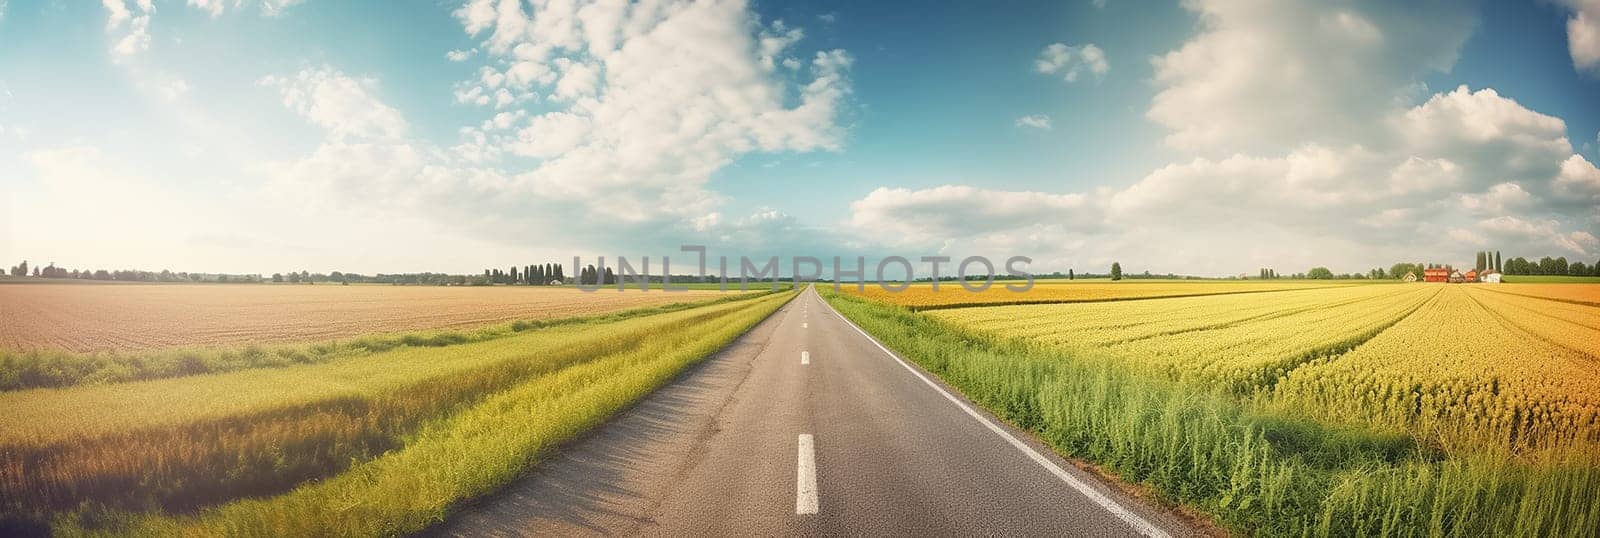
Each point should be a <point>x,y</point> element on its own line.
<point>135,317</point>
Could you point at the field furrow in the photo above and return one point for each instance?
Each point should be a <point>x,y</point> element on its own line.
<point>1245,343</point>
<point>1460,377</point>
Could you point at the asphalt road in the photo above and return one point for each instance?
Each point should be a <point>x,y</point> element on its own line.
<point>806,426</point>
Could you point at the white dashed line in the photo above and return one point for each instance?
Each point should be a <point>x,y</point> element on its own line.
<point>805,485</point>
<point>805,357</point>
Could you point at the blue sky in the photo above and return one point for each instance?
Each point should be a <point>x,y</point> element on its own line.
<point>1206,137</point>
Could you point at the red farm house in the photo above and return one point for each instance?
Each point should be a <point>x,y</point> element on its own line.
<point>1436,275</point>
<point>1472,276</point>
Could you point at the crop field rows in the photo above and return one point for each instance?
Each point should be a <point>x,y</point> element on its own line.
<point>952,295</point>
<point>1421,409</point>
<point>128,318</point>
<point>376,443</point>
<point>1507,370</point>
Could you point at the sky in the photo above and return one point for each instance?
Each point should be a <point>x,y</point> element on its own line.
<point>1204,137</point>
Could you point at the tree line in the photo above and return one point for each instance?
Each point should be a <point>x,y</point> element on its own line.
<point>124,275</point>
<point>544,274</point>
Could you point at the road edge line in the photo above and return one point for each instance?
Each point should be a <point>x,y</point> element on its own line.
<point>1138,523</point>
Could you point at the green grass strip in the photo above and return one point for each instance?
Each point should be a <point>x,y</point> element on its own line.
<point>466,455</point>
<point>1254,473</point>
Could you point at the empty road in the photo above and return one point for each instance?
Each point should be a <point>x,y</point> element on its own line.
<point>806,426</point>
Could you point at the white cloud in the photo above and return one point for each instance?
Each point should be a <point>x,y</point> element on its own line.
<point>1069,62</point>
<point>1493,137</point>
<point>118,15</point>
<point>214,7</point>
<point>136,19</point>
<point>172,89</point>
<point>1499,199</point>
<point>1579,180</point>
<point>935,215</point>
<point>1474,166</point>
<point>1034,121</point>
<point>346,106</point>
<point>1268,76</point>
<point>1583,35</point>
<point>1542,234</point>
<point>641,104</point>
<point>460,55</point>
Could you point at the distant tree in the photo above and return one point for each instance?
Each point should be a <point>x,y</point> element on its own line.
<point>1319,273</point>
<point>1497,261</point>
<point>1578,269</point>
<point>1515,266</point>
<point>611,278</point>
<point>1116,271</point>
<point>277,277</point>
<point>21,270</point>
<point>1555,266</point>
<point>1070,275</point>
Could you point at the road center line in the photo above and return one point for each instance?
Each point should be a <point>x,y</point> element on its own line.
<point>805,357</point>
<point>805,485</point>
<point>1133,520</point>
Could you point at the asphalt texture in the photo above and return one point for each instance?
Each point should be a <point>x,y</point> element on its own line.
<point>718,452</point>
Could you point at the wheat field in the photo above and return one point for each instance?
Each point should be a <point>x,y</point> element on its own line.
<point>137,317</point>
<point>1403,409</point>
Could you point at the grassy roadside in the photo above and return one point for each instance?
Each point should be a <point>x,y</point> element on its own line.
<point>1255,473</point>
<point>44,368</point>
<point>316,425</point>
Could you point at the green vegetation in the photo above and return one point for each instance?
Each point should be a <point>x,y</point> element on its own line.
<point>381,443</point>
<point>1551,279</point>
<point>52,368</point>
<point>1255,471</point>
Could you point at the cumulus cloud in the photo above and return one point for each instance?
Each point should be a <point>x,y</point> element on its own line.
<point>1304,138</point>
<point>1034,121</point>
<point>595,112</point>
<point>1071,61</point>
<point>1265,76</point>
<point>1583,34</point>
<point>1579,180</point>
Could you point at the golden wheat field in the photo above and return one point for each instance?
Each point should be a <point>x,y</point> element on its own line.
<point>1588,294</point>
<point>922,296</point>
<point>1489,366</point>
<point>79,318</point>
